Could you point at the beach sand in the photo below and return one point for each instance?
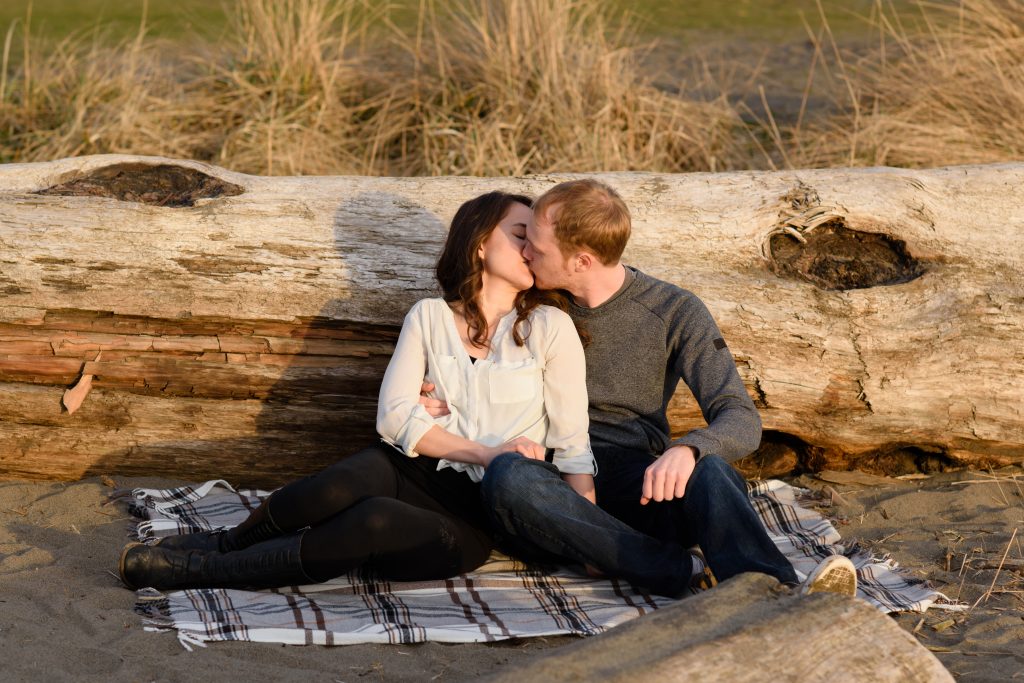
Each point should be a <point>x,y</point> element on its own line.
<point>64,615</point>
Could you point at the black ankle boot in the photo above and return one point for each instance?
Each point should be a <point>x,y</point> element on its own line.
<point>206,541</point>
<point>269,564</point>
<point>257,527</point>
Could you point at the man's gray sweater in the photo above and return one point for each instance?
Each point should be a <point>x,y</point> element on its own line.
<point>645,339</point>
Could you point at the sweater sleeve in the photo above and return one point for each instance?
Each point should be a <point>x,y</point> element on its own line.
<point>703,361</point>
<point>565,397</point>
<point>401,419</point>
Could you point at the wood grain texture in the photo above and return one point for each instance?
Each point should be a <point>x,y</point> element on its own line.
<point>748,629</point>
<point>287,298</point>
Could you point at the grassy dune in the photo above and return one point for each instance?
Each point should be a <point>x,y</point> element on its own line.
<point>185,20</point>
<point>498,87</point>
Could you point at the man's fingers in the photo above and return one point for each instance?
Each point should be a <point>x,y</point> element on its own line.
<point>647,491</point>
<point>661,486</point>
<point>435,407</point>
<point>680,487</point>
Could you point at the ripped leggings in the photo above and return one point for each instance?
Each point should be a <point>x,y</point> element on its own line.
<point>397,515</point>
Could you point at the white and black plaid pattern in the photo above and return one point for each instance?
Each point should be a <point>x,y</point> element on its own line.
<point>503,599</point>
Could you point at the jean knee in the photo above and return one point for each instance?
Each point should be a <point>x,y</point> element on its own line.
<point>496,482</point>
<point>509,476</point>
<point>715,468</point>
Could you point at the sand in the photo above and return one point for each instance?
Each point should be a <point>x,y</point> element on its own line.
<point>64,615</point>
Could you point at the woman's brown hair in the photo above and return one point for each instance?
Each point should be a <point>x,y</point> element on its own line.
<point>460,270</point>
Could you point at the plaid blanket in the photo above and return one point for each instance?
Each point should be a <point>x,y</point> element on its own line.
<point>503,599</point>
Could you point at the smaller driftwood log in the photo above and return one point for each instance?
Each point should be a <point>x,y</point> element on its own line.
<point>748,629</point>
<point>173,318</point>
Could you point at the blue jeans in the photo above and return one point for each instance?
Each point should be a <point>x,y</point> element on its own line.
<point>536,512</point>
<point>538,517</point>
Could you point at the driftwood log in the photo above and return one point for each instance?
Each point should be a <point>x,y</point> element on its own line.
<point>746,630</point>
<point>217,324</point>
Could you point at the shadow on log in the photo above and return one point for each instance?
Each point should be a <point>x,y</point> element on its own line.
<point>246,338</point>
<point>747,629</point>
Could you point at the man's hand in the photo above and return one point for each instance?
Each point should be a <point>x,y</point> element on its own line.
<point>666,478</point>
<point>435,407</point>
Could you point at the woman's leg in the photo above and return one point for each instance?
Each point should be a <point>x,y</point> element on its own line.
<point>400,540</point>
<point>311,500</point>
<point>303,502</point>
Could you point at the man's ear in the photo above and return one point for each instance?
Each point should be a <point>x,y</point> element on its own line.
<point>583,262</point>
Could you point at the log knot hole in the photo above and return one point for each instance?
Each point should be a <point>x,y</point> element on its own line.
<point>157,185</point>
<point>811,242</point>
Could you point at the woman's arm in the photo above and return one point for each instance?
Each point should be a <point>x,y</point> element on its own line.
<point>565,400</point>
<point>440,443</point>
<point>401,420</point>
<point>405,423</point>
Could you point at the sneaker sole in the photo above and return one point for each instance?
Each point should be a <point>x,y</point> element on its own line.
<point>834,575</point>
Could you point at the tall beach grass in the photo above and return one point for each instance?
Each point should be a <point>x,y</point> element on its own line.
<point>946,89</point>
<point>534,86</point>
<point>507,87</point>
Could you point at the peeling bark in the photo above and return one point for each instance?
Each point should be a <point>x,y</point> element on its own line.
<point>245,335</point>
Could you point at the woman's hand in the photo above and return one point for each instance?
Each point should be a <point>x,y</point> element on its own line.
<point>525,447</point>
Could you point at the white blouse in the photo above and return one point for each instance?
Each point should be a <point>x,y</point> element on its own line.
<point>506,395</point>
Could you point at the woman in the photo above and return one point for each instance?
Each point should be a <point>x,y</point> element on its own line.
<point>410,508</point>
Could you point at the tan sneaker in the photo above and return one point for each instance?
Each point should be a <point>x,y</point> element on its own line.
<point>835,574</point>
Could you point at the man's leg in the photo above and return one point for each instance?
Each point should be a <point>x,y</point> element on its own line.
<point>528,501</point>
<point>715,513</point>
<point>717,509</point>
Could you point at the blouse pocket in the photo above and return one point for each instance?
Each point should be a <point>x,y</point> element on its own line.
<point>515,382</point>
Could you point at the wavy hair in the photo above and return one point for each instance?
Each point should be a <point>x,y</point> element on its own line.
<point>460,270</point>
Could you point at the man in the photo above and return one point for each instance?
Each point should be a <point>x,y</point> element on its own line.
<point>645,335</point>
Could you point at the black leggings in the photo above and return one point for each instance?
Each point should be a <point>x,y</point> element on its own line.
<point>394,514</point>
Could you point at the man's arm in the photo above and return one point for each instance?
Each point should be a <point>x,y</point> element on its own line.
<point>705,364</point>
<point>582,484</point>
<point>702,360</point>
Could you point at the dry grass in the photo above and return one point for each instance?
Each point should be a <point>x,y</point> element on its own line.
<point>83,98</point>
<point>949,90</point>
<point>294,91</point>
<point>532,86</point>
<point>485,87</point>
<point>286,93</point>
<point>505,87</point>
